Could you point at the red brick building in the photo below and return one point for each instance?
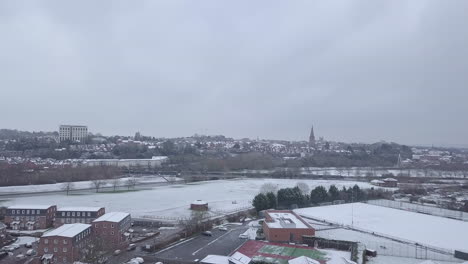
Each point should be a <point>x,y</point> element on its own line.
<point>64,244</point>
<point>199,205</point>
<point>30,217</point>
<point>83,215</point>
<point>112,229</point>
<point>285,226</point>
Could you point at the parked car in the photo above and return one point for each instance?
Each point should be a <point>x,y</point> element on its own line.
<point>30,252</point>
<point>243,236</point>
<point>20,256</point>
<point>15,246</point>
<point>207,233</point>
<point>222,228</point>
<point>131,247</point>
<point>28,245</point>
<point>117,252</point>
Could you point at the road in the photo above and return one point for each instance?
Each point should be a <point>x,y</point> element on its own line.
<point>197,248</point>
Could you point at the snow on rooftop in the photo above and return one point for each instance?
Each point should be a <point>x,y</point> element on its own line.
<point>390,179</point>
<point>80,209</point>
<point>112,217</point>
<point>285,220</point>
<point>68,230</point>
<point>303,260</point>
<point>199,202</point>
<point>31,206</point>
<point>239,258</point>
<point>215,259</point>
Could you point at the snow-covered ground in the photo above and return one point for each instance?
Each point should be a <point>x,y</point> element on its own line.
<point>174,200</point>
<point>81,185</point>
<point>424,229</point>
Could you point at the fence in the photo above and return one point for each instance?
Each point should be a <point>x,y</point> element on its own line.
<point>403,247</point>
<point>318,242</point>
<point>421,209</point>
<point>409,251</point>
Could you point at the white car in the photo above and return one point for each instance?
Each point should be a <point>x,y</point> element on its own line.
<point>243,236</point>
<point>222,228</point>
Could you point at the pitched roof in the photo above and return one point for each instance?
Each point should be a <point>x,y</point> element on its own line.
<point>68,230</point>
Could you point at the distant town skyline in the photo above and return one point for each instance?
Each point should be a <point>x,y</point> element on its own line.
<point>360,71</point>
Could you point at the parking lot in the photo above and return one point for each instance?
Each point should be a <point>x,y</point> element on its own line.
<point>197,248</point>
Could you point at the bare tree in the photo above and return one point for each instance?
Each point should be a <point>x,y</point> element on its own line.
<point>303,187</point>
<point>131,183</point>
<point>94,251</point>
<point>97,184</point>
<point>269,187</point>
<point>115,183</point>
<point>68,186</point>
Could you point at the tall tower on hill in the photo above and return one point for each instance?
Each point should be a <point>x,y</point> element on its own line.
<point>312,137</point>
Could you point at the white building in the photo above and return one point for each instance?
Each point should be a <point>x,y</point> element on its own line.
<point>154,162</point>
<point>73,133</point>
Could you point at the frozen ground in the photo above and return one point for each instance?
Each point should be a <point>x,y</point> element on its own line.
<point>173,200</point>
<point>81,185</point>
<point>425,229</point>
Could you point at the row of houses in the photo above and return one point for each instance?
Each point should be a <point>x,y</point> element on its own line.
<point>34,217</point>
<point>76,230</point>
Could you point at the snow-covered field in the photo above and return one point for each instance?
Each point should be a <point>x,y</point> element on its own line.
<point>81,185</point>
<point>424,229</point>
<point>173,200</point>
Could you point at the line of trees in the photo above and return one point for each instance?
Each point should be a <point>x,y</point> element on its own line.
<point>300,197</point>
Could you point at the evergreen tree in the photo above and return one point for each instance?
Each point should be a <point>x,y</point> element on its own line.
<point>260,202</point>
<point>271,200</point>
<point>318,195</point>
<point>333,193</point>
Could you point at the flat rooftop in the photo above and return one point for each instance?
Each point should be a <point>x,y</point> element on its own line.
<point>285,220</point>
<point>79,209</point>
<point>30,206</point>
<point>112,217</point>
<point>68,230</point>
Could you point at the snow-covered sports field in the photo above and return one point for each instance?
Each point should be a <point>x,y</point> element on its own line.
<point>172,200</point>
<point>431,230</point>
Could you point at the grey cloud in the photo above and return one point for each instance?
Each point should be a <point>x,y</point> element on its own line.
<point>358,70</point>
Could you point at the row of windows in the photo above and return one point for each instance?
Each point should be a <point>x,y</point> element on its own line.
<point>27,218</point>
<point>77,214</point>
<point>26,211</point>
<point>46,249</point>
<point>104,225</point>
<point>74,220</point>
<point>56,241</point>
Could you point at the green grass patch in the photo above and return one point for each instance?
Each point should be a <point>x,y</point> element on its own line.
<point>292,252</point>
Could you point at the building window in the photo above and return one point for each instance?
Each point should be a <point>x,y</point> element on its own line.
<point>89,214</point>
<point>68,213</point>
<point>46,241</point>
<point>27,211</point>
<point>64,249</point>
<point>96,225</point>
<point>112,233</point>
<point>63,213</point>
<point>46,249</point>
<point>64,259</point>
<point>78,214</point>
<point>65,241</point>
<point>112,225</point>
<point>73,213</point>
<point>38,212</point>
<point>55,241</point>
<point>55,249</point>
<point>22,211</point>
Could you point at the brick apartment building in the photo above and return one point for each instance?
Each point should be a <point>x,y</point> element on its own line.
<point>64,244</point>
<point>72,215</point>
<point>285,226</point>
<point>30,217</point>
<point>112,228</point>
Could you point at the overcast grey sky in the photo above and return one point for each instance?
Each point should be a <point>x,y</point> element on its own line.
<point>358,70</point>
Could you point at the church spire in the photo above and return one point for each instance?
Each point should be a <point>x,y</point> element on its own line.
<point>312,137</point>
